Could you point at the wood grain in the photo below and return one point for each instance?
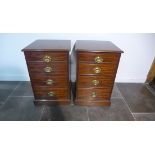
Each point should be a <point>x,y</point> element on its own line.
<point>88,69</point>
<point>85,53</point>
<point>42,92</point>
<point>96,46</point>
<point>101,94</point>
<point>58,51</point>
<point>86,81</point>
<point>107,57</point>
<point>41,80</point>
<point>49,45</point>
<point>57,68</point>
<point>55,56</point>
<point>52,102</point>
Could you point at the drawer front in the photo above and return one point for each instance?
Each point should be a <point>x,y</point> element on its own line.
<point>46,56</point>
<point>49,80</point>
<point>94,93</point>
<point>50,69</point>
<point>95,81</point>
<point>50,93</point>
<point>99,57</point>
<point>97,69</point>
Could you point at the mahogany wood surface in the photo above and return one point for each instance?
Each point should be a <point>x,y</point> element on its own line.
<point>96,46</point>
<point>41,80</point>
<point>33,56</point>
<point>51,102</point>
<point>41,92</point>
<point>87,81</point>
<point>85,54</point>
<point>88,69</point>
<point>49,45</point>
<point>101,93</point>
<point>57,68</point>
<point>58,51</point>
<point>107,57</point>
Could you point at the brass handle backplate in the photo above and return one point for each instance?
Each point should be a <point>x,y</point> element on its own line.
<point>98,59</point>
<point>95,82</point>
<point>97,70</point>
<point>48,69</point>
<point>47,58</point>
<point>93,94</point>
<point>49,82</point>
<point>52,94</point>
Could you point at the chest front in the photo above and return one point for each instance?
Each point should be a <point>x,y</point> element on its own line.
<point>96,68</point>
<point>48,66</point>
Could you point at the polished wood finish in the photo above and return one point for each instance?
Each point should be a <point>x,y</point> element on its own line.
<point>107,58</point>
<point>56,68</point>
<point>49,69</point>
<point>42,80</point>
<point>96,67</point>
<point>51,102</point>
<point>49,45</point>
<point>32,56</point>
<point>87,81</point>
<point>89,69</point>
<point>41,92</point>
<point>101,93</point>
<point>96,46</point>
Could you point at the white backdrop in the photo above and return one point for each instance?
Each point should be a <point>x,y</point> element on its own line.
<point>139,51</point>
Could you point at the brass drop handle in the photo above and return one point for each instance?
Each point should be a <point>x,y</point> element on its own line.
<point>47,69</point>
<point>49,82</point>
<point>47,59</point>
<point>51,94</point>
<point>98,59</point>
<point>95,82</point>
<point>93,94</point>
<point>97,70</point>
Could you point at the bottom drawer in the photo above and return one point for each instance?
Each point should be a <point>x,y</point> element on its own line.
<point>51,93</point>
<point>94,93</point>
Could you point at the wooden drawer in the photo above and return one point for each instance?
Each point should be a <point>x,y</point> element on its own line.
<point>50,68</point>
<point>40,56</point>
<point>46,93</point>
<point>97,69</point>
<point>49,80</point>
<point>95,81</point>
<point>94,93</point>
<point>96,57</point>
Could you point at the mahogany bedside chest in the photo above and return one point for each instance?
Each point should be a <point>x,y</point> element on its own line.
<point>49,70</point>
<point>96,67</point>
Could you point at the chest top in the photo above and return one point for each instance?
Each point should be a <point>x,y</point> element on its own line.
<point>49,45</point>
<point>96,46</point>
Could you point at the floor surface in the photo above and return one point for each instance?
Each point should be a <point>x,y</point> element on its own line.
<point>130,102</point>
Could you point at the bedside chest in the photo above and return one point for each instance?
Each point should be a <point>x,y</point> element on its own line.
<point>96,67</point>
<point>49,70</point>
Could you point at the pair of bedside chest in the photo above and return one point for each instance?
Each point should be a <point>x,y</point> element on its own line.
<point>95,62</point>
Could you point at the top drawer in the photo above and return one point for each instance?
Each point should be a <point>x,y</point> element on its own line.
<point>99,57</point>
<point>46,56</point>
